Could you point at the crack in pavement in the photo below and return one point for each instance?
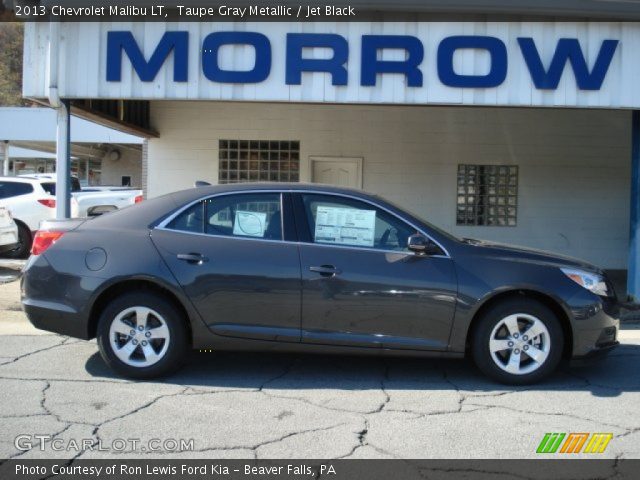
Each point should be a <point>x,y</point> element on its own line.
<point>550,414</point>
<point>465,404</point>
<point>65,341</point>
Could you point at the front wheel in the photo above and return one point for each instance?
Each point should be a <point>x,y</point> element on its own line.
<point>518,342</point>
<point>142,336</point>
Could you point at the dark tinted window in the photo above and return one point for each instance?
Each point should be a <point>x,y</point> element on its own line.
<point>13,189</point>
<point>254,215</point>
<point>191,220</point>
<point>49,187</point>
<point>245,215</point>
<point>346,222</point>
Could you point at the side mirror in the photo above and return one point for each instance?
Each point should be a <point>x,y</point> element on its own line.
<point>421,245</point>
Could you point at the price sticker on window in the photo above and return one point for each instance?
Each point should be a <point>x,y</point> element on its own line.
<point>345,226</point>
<point>250,224</point>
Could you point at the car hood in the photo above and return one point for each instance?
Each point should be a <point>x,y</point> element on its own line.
<point>530,255</point>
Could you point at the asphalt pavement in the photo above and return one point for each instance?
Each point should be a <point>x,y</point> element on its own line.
<point>238,405</point>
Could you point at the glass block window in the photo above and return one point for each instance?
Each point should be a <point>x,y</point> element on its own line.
<point>258,161</point>
<point>487,195</point>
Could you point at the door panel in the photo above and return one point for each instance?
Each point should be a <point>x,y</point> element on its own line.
<point>360,284</point>
<point>241,283</point>
<point>388,300</point>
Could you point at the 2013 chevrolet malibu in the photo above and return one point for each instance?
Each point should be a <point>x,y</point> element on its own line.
<point>308,268</point>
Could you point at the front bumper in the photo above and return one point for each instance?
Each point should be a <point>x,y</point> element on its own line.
<point>8,240</point>
<point>594,355</point>
<point>595,329</point>
<point>8,247</point>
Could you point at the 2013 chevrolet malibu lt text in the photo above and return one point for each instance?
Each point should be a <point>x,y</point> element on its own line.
<point>308,268</point>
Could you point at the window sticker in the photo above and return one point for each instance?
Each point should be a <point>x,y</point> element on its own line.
<point>345,226</point>
<point>250,224</point>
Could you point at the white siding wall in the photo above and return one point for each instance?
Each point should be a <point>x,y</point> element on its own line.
<point>130,163</point>
<point>574,164</point>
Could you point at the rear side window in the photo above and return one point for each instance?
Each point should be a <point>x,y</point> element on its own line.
<point>254,215</point>
<point>191,220</point>
<point>49,187</point>
<point>14,189</point>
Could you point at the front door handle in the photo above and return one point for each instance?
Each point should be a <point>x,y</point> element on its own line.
<point>326,270</point>
<point>194,258</point>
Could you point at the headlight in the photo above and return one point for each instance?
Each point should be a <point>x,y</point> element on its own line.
<point>591,281</point>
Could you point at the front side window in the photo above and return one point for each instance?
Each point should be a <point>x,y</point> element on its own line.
<point>345,222</point>
<point>251,215</point>
<point>14,189</point>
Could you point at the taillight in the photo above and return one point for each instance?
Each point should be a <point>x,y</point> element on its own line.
<point>43,240</point>
<point>48,202</point>
<point>138,199</point>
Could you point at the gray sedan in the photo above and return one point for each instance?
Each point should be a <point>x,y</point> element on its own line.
<point>308,268</point>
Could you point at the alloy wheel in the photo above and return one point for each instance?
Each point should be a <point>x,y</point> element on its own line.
<point>519,344</point>
<point>139,336</point>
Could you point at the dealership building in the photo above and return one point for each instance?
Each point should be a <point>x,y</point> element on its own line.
<point>523,129</point>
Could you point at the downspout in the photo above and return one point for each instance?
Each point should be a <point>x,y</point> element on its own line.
<point>63,143</point>
<point>54,36</point>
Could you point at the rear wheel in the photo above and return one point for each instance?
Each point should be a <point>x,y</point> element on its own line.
<point>142,335</point>
<point>518,342</point>
<point>24,243</point>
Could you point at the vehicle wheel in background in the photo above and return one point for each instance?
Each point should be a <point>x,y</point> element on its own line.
<point>142,335</point>
<point>518,342</point>
<point>24,241</point>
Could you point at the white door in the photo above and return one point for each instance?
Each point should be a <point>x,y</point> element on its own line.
<point>339,171</point>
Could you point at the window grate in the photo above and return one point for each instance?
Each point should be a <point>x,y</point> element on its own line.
<point>487,195</point>
<point>258,160</point>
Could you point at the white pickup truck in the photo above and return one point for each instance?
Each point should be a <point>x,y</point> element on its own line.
<point>93,201</point>
<point>97,200</point>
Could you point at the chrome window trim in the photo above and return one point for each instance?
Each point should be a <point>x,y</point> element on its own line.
<point>163,224</point>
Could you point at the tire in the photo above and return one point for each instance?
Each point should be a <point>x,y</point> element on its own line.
<point>501,351</point>
<point>154,351</point>
<point>24,243</point>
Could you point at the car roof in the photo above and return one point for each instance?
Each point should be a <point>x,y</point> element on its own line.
<point>21,179</point>
<point>278,187</point>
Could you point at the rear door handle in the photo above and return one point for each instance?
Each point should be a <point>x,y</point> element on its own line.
<point>195,258</point>
<point>326,270</point>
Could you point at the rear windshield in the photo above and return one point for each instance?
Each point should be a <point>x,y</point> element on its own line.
<point>10,189</point>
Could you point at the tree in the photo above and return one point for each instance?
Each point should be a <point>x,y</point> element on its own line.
<point>11,44</point>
